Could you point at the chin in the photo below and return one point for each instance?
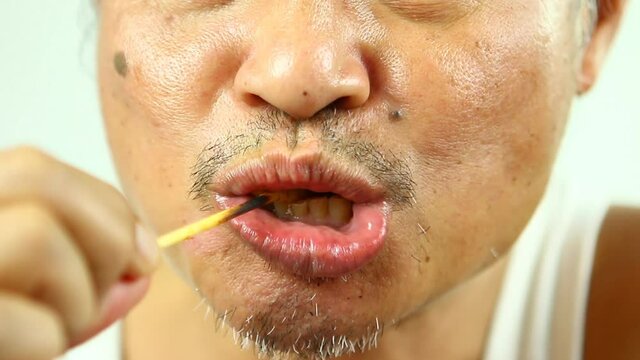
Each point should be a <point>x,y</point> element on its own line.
<point>316,326</point>
<point>279,313</point>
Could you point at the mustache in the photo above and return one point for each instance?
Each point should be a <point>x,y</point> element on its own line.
<point>386,167</point>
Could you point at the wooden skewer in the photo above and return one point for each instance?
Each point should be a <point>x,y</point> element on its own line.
<point>191,230</point>
<point>188,231</point>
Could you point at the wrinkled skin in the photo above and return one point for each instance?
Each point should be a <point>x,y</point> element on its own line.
<point>483,87</point>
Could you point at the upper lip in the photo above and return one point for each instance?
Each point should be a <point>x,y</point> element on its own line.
<point>312,171</point>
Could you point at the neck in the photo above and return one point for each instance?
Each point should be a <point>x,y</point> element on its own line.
<point>169,325</point>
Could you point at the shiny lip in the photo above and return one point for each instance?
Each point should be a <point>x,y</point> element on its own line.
<point>315,172</point>
<point>307,250</point>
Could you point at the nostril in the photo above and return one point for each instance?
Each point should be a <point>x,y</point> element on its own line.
<point>346,102</point>
<point>342,103</point>
<point>253,100</point>
<point>338,103</point>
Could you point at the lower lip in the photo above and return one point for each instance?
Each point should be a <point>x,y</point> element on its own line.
<point>314,251</point>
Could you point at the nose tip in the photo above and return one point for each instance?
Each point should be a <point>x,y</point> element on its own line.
<point>304,80</point>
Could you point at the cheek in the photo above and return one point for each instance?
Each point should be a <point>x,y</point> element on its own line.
<point>486,109</point>
<point>179,68</point>
<point>492,91</point>
<point>153,113</point>
<point>489,114</point>
<point>159,114</point>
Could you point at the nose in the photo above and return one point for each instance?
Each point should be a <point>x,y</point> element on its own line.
<point>302,74</point>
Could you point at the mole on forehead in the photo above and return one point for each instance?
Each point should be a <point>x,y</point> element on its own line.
<point>120,63</point>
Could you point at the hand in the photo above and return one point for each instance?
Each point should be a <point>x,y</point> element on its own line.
<point>70,260</point>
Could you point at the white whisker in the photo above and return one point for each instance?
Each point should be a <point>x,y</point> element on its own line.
<point>200,303</point>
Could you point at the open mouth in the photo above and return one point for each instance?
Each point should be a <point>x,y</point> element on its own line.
<point>325,222</point>
<point>312,208</point>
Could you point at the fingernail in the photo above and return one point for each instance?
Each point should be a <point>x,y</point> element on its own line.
<point>146,244</point>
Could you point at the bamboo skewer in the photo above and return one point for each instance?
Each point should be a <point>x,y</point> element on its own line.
<point>189,231</point>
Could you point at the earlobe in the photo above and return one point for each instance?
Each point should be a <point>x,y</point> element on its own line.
<point>592,61</point>
<point>609,15</point>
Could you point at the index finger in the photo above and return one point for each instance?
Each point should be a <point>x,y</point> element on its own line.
<point>95,213</point>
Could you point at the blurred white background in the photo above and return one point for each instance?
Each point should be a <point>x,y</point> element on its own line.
<point>48,98</point>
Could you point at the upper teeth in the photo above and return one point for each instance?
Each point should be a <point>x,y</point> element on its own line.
<point>333,211</point>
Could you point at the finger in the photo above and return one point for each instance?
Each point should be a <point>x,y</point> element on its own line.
<point>29,330</point>
<point>120,299</point>
<point>39,261</point>
<point>95,213</point>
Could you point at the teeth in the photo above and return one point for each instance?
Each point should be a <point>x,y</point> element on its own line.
<point>318,208</point>
<point>301,206</point>
<point>339,210</point>
<point>280,209</point>
<point>299,210</point>
<point>290,196</point>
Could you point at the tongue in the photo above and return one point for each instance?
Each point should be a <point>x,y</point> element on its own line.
<point>334,211</point>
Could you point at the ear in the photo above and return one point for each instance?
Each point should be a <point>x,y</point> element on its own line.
<point>609,15</point>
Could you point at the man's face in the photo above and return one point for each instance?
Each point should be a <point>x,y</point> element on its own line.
<point>431,126</point>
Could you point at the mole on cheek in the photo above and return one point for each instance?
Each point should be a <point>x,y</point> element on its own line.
<point>120,64</point>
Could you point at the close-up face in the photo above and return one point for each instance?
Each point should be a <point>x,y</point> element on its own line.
<point>412,140</point>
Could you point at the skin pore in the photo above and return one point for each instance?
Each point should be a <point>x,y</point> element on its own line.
<point>456,107</point>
